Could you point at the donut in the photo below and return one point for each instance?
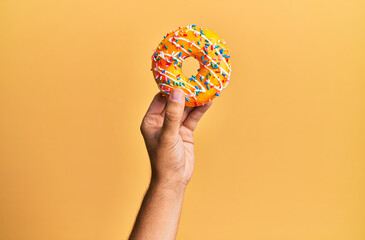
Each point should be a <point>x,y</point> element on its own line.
<point>207,48</point>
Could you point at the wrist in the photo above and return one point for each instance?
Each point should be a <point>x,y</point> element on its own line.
<point>168,186</point>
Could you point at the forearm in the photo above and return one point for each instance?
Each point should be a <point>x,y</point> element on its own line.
<point>159,215</point>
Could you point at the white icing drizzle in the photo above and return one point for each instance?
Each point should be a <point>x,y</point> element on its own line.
<point>215,63</point>
<point>189,28</point>
<point>218,79</point>
<point>173,57</point>
<point>174,78</point>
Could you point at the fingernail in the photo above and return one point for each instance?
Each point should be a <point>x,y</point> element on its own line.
<point>177,95</point>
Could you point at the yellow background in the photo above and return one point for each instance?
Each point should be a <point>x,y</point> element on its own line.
<point>279,156</point>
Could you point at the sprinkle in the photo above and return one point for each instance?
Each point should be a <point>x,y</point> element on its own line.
<point>204,62</point>
<point>165,46</point>
<point>198,43</point>
<point>217,94</point>
<point>221,51</point>
<point>202,57</point>
<point>179,54</point>
<point>201,78</point>
<point>182,46</point>
<point>189,50</point>
<point>193,25</point>
<point>186,99</point>
<point>216,46</point>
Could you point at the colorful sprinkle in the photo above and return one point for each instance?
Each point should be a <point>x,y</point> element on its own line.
<point>166,61</point>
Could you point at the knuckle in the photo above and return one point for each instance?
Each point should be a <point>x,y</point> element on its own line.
<point>147,122</point>
<point>171,117</point>
<point>142,128</point>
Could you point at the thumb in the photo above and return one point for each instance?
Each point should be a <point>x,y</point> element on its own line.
<point>174,112</point>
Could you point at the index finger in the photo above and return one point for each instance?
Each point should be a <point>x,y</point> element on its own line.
<point>157,105</point>
<point>194,116</point>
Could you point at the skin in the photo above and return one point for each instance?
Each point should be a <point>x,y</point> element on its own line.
<point>167,129</point>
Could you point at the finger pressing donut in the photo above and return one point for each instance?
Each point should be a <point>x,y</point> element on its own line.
<point>157,105</point>
<point>173,112</point>
<point>186,113</point>
<point>193,118</point>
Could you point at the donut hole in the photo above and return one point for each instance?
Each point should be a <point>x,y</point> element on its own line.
<point>190,66</point>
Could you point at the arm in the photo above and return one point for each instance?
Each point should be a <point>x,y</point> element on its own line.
<point>167,129</point>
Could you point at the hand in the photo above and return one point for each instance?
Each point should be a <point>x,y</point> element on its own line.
<point>168,129</point>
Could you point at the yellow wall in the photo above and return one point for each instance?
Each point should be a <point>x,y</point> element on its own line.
<point>279,156</point>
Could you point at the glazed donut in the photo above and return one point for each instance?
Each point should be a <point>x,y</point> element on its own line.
<point>206,47</point>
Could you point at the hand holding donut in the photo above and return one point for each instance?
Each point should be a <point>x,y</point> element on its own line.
<point>167,129</point>
<point>168,125</point>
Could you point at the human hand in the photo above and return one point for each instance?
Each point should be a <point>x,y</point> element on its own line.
<point>167,129</point>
